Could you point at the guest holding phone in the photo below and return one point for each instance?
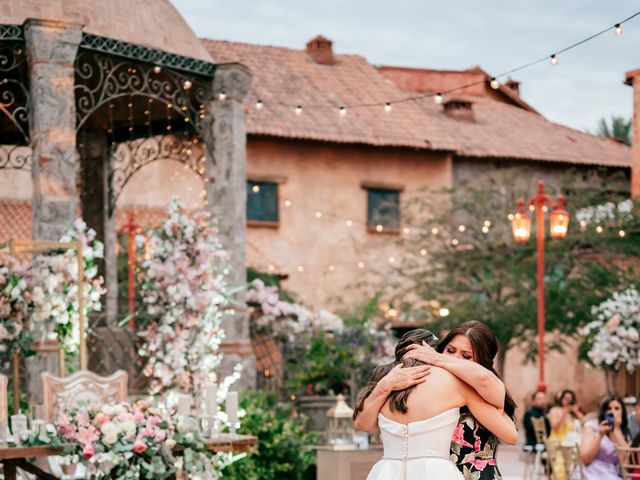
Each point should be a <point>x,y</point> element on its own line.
<point>600,438</point>
<point>565,419</point>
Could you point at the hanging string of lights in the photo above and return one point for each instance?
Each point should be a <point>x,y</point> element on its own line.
<point>438,97</point>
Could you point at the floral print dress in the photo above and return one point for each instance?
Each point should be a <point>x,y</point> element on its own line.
<point>474,448</point>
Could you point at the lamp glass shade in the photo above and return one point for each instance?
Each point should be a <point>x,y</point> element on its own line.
<point>559,222</point>
<point>521,227</point>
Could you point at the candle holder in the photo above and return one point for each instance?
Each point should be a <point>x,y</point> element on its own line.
<point>210,427</point>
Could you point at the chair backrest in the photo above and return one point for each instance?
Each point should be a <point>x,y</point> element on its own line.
<point>4,405</point>
<point>629,462</point>
<point>540,429</point>
<point>564,461</point>
<point>83,387</point>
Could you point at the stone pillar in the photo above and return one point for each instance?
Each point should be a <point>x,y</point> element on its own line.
<point>633,79</point>
<point>225,140</point>
<point>52,48</point>
<point>97,211</point>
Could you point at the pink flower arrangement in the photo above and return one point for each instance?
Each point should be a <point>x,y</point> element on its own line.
<point>117,439</point>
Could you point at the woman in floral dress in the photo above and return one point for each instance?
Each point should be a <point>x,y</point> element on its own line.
<point>473,447</point>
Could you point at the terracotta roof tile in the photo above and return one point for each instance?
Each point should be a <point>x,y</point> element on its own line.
<point>284,78</point>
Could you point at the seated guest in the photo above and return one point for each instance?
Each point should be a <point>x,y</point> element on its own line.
<point>634,420</point>
<point>565,419</point>
<point>600,438</point>
<point>537,410</point>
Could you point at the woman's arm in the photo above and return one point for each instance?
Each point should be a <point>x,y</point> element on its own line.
<point>397,379</point>
<point>590,443</point>
<point>482,380</point>
<point>490,417</point>
<point>557,416</point>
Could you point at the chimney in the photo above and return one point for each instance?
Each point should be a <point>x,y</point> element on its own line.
<point>320,49</point>
<point>514,85</point>
<point>459,109</point>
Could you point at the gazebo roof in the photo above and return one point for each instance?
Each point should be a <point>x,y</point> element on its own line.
<point>151,23</point>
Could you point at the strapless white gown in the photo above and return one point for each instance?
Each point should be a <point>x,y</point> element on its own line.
<point>418,450</point>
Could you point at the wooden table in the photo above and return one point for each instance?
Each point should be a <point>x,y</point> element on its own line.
<point>13,458</point>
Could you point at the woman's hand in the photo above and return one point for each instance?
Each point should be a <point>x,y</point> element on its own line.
<point>424,353</point>
<point>401,377</point>
<point>605,428</point>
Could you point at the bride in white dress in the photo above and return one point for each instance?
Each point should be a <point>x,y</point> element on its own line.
<point>418,424</point>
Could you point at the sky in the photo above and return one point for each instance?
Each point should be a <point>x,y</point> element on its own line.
<point>585,86</point>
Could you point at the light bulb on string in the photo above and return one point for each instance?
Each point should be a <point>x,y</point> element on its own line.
<point>406,230</point>
<point>599,229</point>
<point>259,105</point>
<point>255,189</point>
<point>392,259</point>
<point>271,267</point>
<point>379,228</point>
<point>287,203</point>
<point>621,233</point>
<point>331,268</point>
<point>510,216</point>
<point>387,107</point>
<point>461,228</point>
<point>318,214</point>
<point>298,110</point>
<point>360,264</point>
<point>423,252</point>
<point>495,84</point>
<point>437,98</point>
<point>300,268</point>
<point>157,69</point>
<point>455,242</point>
<point>222,96</point>
<point>554,59</point>
<point>187,85</point>
<point>618,29</point>
<point>434,231</point>
<point>485,229</point>
<point>487,223</point>
<point>349,223</point>
<point>343,111</point>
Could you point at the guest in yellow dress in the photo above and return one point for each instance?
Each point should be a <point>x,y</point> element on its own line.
<point>566,420</point>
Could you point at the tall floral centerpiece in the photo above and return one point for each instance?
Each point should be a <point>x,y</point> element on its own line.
<point>184,289</point>
<point>39,300</point>
<point>612,339</point>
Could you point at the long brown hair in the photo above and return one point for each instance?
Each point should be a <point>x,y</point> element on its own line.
<point>397,399</point>
<point>485,348</point>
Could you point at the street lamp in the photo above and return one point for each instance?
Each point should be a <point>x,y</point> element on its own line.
<point>521,227</point>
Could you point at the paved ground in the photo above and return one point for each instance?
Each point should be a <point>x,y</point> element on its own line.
<point>510,462</point>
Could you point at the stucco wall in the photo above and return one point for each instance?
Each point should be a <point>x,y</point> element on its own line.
<point>329,178</point>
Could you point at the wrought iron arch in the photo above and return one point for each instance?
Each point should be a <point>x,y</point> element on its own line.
<point>130,157</point>
<point>103,79</point>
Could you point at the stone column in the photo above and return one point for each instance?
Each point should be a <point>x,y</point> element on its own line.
<point>225,140</point>
<point>97,210</point>
<point>52,48</point>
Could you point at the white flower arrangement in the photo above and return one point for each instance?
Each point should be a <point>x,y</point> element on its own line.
<point>43,295</point>
<point>606,213</point>
<point>613,338</point>
<point>183,278</point>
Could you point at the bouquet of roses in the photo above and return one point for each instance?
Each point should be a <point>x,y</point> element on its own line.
<point>14,305</point>
<point>134,441</point>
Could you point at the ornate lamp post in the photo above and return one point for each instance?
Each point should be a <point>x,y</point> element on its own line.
<point>521,227</point>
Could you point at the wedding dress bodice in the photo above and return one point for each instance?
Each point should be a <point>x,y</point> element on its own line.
<point>417,450</point>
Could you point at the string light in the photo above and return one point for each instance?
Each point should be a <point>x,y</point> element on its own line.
<point>271,267</point>
<point>495,84</point>
<point>455,242</point>
<point>255,189</point>
<point>554,59</point>
<point>545,209</point>
<point>332,268</point>
<point>392,259</point>
<point>437,98</point>
<point>379,228</point>
<point>599,229</point>
<point>621,233</point>
<point>300,268</point>
<point>434,231</point>
<point>318,214</point>
<point>487,223</point>
<point>186,85</point>
<point>360,264</point>
<point>157,69</point>
<point>618,29</point>
<point>259,105</point>
<point>510,216</point>
<point>298,110</point>
<point>461,228</point>
<point>343,111</point>
<point>387,107</point>
<point>485,229</point>
<point>222,96</point>
<point>406,230</point>
<point>443,312</point>
<point>532,208</point>
<point>423,252</point>
<point>287,203</point>
<point>349,223</point>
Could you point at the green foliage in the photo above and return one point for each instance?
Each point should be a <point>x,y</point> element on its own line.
<point>618,127</point>
<point>484,275</point>
<point>281,453</point>
<point>322,362</point>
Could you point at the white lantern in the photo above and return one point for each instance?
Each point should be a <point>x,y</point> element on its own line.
<point>340,426</point>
